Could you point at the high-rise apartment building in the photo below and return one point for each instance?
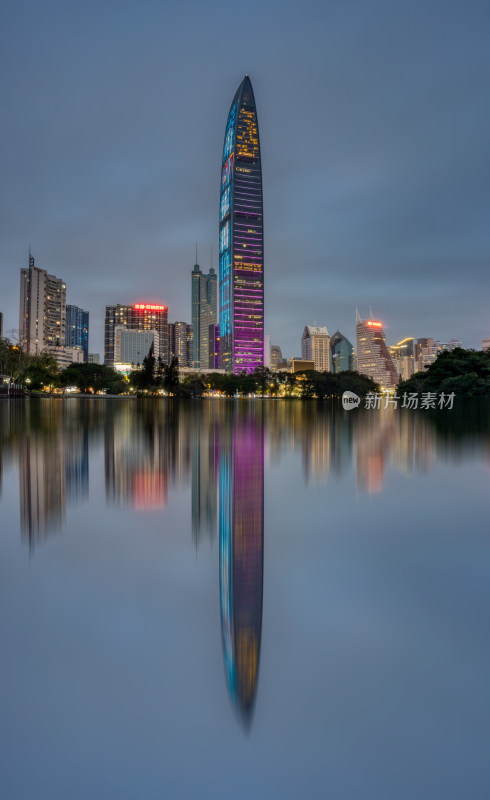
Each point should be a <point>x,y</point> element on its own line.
<point>241,238</point>
<point>140,316</point>
<point>315,346</point>
<point>373,357</point>
<point>42,313</point>
<point>76,333</point>
<point>342,353</point>
<point>204,314</point>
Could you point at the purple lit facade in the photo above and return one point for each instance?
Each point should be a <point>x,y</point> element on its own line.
<point>241,238</point>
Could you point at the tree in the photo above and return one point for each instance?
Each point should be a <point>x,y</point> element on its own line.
<point>171,376</point>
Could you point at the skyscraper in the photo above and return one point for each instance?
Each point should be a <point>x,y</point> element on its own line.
<point>204,313</point>
<point>373,357</point>
<point>342,353</point>
<point>42,313</point>
<point>76,334</point>
<point>140,316</point>
<point>241,238</point>
<point>315,346</point>
<point>178,342</point>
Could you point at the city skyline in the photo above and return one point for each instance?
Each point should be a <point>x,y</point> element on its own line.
<point>390,211</point>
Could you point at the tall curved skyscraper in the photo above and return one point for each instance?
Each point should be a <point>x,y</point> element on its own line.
<point>241,238</point>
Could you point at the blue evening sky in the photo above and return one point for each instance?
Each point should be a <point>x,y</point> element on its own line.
<point>374,121</point>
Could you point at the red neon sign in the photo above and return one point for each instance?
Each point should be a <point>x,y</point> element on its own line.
<point>374,324</point>
<point>148,307</point>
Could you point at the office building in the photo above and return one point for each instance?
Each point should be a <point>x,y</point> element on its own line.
<point>42,314</point>
<point>140,316</point>
<point>1,325</point>
<point>373,357</point>
<point>204,314</point>
<point>178,342</point>
<point>315,346</point>
<point>93,358</point>
<point>241,238</point>
<point>190,344</point>
<point>214,344</point>
<point>425,353</point>
<point>132,346</point>
<point>403,355</point>
<point>76,333</point>
<point>342,353</point>
<point>276,357</point>
<point>485,345</point>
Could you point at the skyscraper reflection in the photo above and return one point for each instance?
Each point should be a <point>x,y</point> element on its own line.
<point>241,553</point>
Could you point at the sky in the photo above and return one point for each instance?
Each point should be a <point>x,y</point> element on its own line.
<point>374,121</point>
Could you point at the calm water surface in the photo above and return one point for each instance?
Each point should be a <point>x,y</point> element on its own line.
<point>243,599</point>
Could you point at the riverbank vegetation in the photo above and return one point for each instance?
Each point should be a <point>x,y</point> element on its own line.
<point>464,372</point>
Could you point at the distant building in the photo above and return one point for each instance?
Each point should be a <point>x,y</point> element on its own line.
<point>301,364</point>
<point>42,313</point>
<point>65,356</point>
<point>425,353</point>
<point>178,342</point>
<point>276,357</point>
<point>485,345</point>
<point>342,353</point>
<point>373,357</point>
<point>190,344</point>
<point>204,313</point>
<point>132,346</point>
<point>315,346</point>
<point>76,332</point>
<point>140,316</point>
<point>1,325</point>
<point>267,351</point>
<point>403,355</point>
<point>93,358</point>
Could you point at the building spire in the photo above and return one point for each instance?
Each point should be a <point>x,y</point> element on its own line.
<point>196,253</point>
<point>358,316</point>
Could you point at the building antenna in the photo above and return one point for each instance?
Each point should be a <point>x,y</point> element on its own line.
<point>371,312</point>
<point>358,316</point>
<point>211,256</point>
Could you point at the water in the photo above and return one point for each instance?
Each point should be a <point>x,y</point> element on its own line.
<point>243,598</point>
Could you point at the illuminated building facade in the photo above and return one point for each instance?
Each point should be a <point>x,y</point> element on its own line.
<point>373,357</point>
<point>342,353</point>
<point>178,342</point>
<point>241,554</point>
<point>131,347</point>
<point>42,313</point>
<point>214,347</point>
<point>76,333</point>
<point>315,346</point>
<point>140,316</point>
<point>403,355</point>
<point>241,238</point>
<point>204,314</point>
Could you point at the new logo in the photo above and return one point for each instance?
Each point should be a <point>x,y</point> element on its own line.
<point>350,401</point>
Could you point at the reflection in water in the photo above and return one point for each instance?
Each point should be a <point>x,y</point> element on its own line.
<point>151,446</point>
<point>241,553</point>
<point>205,459</point>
